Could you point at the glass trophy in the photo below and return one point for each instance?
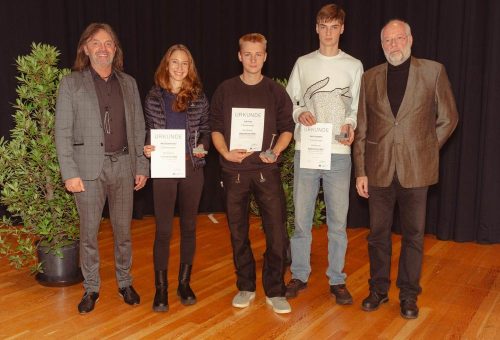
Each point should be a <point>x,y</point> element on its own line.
<point>198,149</point>
<point>269,154</point>
<point>343,136</point>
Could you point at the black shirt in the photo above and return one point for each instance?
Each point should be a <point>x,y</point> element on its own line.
<point>397,78</point>
<point>112,108</point>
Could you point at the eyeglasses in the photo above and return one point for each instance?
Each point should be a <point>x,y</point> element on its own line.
<point>398,40</point>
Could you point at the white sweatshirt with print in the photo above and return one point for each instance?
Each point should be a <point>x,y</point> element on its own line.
<point>328,87</point>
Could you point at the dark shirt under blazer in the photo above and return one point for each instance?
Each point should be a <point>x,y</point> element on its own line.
<point>110,100</point>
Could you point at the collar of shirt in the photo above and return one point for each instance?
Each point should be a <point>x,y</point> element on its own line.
<point>96,75</point>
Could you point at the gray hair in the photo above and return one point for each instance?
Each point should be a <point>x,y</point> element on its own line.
<point>406,25</point>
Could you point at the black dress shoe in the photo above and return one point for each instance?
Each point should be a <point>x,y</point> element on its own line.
<point>342,295</point>
<point>129,295</point>
<point>373,301</point>
<point>87,303</point>
<point>409,309</point>
<point>293,287</point>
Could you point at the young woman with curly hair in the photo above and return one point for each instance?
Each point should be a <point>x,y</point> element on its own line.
<point>177,101</point>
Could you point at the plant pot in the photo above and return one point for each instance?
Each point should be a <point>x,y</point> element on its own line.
<point>57,271</point>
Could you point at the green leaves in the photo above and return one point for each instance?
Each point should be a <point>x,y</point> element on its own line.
<point>30,180</point>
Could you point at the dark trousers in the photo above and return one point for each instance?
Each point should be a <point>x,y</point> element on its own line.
<point>412,206</point>
<point>268,192</point>
<point>165,192</point>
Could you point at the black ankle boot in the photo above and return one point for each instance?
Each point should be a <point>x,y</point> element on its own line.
<point>184,291</point>
<point>160,303</point>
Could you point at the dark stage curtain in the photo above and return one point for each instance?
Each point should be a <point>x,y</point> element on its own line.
<point>463,35</point>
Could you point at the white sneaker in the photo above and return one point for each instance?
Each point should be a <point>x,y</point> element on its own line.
<point>243,299</point>
<point>280,304</point>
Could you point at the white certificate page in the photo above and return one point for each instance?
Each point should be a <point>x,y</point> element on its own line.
<point>315,146</point>
<point>247,129</point>
<point>169,158</point>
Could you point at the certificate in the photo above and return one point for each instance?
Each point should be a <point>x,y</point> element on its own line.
<point>315,146</point>
<point>169,158</point>
<point>247,129</point>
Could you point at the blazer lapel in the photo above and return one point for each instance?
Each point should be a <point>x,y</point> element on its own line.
<point>411,87</point>
<point>382,98</point>
<point>89,86</point>
<point>127,101</point>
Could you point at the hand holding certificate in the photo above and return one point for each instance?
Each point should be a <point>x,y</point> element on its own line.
<point>169,158</point>
<point>316,145</point>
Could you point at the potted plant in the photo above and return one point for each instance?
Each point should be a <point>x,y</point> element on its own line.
<point>43,217</point>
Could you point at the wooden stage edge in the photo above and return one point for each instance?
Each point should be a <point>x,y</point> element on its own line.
<point>460,299</point>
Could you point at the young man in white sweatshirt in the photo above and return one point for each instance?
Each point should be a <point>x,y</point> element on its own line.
<point>324,87</point>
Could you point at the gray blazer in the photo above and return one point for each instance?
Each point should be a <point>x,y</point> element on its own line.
<point>78,128</point>
<point>408,144</point>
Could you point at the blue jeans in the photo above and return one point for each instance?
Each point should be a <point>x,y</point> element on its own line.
<point>306,183</point>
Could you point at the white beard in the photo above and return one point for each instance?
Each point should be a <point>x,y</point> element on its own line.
<point>399,57</point>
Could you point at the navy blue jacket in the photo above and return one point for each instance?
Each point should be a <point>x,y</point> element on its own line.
<point>197,120</point>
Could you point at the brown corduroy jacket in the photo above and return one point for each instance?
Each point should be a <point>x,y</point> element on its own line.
<point>409,143</point>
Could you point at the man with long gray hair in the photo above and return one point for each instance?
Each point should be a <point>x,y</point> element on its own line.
<point>100,136</point>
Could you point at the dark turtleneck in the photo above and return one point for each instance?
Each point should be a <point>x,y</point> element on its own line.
<point>397,77</point>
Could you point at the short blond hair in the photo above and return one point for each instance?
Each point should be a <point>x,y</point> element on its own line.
<point>253,38</point>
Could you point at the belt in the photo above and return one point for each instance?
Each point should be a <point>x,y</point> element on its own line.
<point>123,151</point>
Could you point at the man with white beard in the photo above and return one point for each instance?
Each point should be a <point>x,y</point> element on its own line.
<point>406,113</point>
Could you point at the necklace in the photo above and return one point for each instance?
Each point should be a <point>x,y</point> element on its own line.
<point>106,77</point>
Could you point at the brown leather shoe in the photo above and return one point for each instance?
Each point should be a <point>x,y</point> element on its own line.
<point>373,301</point>
<point>409,309</point>
<point>293,287</point>
<point>342,295</point>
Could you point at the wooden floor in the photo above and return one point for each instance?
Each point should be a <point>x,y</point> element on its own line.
<point>461,298</point>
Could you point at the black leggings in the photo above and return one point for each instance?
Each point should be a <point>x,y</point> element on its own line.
<point>165,192</point>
